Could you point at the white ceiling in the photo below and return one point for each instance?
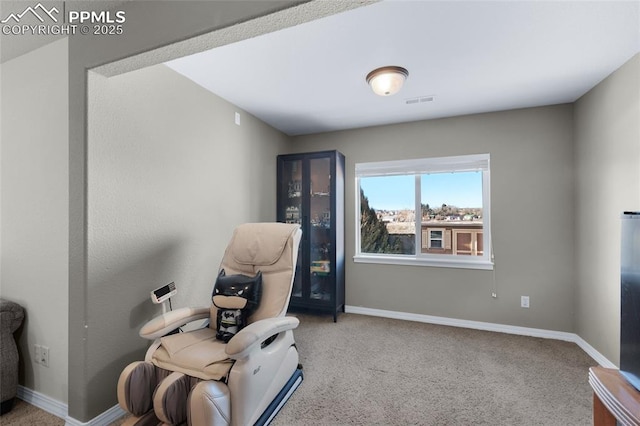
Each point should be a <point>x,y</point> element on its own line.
<point>473,56</point>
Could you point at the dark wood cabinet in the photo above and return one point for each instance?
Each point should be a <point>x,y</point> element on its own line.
<point>311,193</point>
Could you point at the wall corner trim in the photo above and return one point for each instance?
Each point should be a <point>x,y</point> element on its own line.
<point>486,326</point>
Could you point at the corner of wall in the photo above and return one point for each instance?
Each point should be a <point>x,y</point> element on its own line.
<point>607,159</point>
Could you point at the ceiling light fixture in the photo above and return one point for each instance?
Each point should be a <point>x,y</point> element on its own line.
<point>387,81</point>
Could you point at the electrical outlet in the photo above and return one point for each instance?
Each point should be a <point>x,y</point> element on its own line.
<point>37,353</point>
<point>524,301</point>
<point>44,356</point>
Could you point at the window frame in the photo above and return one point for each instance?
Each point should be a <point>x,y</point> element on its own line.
<point>418,167</point>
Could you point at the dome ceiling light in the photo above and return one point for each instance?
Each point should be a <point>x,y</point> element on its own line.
<point>387,81</point>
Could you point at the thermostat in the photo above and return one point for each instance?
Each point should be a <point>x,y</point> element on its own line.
<point>163,293</point>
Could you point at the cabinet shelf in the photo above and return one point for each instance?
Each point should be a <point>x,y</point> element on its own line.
<point>311,193</point>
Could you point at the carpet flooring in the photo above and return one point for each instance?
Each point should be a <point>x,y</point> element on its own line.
<point>26,414</point>
<point>374,371</point>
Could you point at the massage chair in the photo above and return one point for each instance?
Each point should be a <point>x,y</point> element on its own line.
<point>194,377</point>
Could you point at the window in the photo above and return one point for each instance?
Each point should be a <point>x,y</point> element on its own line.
<point>431,211</point>
<point>435,239</point>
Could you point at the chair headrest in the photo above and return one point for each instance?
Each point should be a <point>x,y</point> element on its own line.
<point>260,244</point>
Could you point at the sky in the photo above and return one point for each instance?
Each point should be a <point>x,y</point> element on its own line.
<point>397,192</point>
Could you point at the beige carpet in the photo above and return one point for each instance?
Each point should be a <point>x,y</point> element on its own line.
<point>26,414</point>
<point>374,371</point>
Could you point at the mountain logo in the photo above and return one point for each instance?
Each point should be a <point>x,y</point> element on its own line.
<point>38,11</point>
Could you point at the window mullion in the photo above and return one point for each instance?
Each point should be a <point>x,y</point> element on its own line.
<point>487,246</point>
<point>418,215</point>
<point>358,218</point>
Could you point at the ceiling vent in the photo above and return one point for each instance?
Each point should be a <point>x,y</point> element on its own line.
<point>420,99</point>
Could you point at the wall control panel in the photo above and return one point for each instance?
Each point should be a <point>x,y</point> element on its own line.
<point>163,293</point>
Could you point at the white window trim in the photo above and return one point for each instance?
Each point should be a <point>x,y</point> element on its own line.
<point>442,261</point>
<point>461,163</point>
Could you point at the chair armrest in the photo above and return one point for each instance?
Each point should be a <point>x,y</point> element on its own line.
<point>252,336</point>
<point>169,321</point>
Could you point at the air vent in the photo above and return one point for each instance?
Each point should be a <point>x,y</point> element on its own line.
<point>420,99</point>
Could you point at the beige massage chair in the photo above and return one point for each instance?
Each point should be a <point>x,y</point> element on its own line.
<point>192,378</point>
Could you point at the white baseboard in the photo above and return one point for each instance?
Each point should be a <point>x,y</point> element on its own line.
<point>593,353</point>
<point>104,419</point>
<point>487,326</point>
<point>61,410</point>
<point>42,401</point>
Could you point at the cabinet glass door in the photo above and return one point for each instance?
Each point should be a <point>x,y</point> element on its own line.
<point>320,266</point>
<point>291,188</point>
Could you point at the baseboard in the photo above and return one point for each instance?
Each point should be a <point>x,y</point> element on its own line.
<point>61,410</point>
<point>487,326</point>
<point>105,419</point>
<point>43,402</point>
<point>593,353</point>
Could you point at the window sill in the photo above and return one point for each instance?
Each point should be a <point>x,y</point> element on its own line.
<point>439,262</point>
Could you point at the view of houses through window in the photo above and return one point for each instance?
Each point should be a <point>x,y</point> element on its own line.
<point>449,220</point>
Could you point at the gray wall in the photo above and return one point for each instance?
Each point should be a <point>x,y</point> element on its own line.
<point>147,27</point>
<point>532,217</point>
<point>34,211</point>
<point>607,156</point>
<point>169,176</point>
